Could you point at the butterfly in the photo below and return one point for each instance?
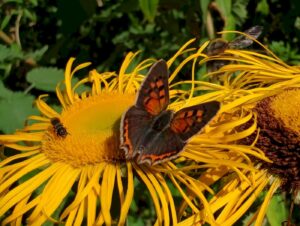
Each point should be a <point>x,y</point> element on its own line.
<point>152,134</point>
<point>218,46</point>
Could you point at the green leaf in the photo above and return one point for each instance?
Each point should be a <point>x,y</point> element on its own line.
<point>224,7</point>
<point>5,21</point>
<point>135,221</point>
<point>82,88</point>
<point>297,23</point>
<point>277,211</point>
<point>263,7</point>
<point>230,26</point>
<point>38,54</point>
<point>14,110</point>
<point>204,9</point>
<point>45,78</point>
<point>149,8</point>
<point>6,68</point>
<point>34,2</point>
<point>4,92</point>
<point>9,53</point>
<point>30,15</point>
<point>240,11</point>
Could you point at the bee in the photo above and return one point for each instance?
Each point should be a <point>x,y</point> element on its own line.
<point>59,128</point>
<point>219,46</point>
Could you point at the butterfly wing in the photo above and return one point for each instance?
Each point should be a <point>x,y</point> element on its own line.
<point>152,99</point>
<point>134,123</point>
<point>154,92</point>
<point>189,121</point>
<point>165,146</point>
<point>168,143</point>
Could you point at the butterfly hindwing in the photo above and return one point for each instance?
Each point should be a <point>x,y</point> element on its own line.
<point>165,146</point>
<point>154,92</point>
<point>134,123</point>
<point>189,121</point>
<point>157,146</point>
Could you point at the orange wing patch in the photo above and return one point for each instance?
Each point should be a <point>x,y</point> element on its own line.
<point>126,140</point>
<point>186,120</point>
<point>155,97</point>
<point>152,106</point>
<point>159,83</point>
<point>199,115</point>
<point>156,158</point>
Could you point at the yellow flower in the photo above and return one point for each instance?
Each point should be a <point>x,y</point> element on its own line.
<point>68,167</point>
<point>267,89</point>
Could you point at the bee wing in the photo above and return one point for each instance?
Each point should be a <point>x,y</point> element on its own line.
<point>243,41</point>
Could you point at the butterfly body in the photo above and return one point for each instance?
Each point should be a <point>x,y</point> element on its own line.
<point>151,133</point>
<point>162,121</point>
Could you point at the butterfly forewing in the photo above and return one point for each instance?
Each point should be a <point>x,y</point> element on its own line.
<point>189,121</point>
<point>154,93</point>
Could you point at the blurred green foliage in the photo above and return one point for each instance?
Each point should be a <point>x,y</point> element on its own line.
<point>38,37</point>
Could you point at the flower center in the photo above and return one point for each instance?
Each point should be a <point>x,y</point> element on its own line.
<point>92,126</point>
<point>279,136</point>
<point>286,108</point>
